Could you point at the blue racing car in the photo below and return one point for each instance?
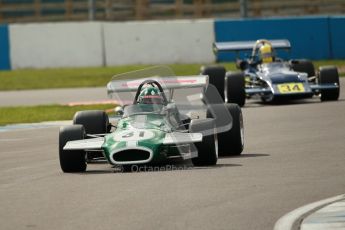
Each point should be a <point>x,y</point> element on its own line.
<point>265,76</point>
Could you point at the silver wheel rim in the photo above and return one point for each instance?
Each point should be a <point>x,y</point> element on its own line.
<point>216,143</point>
<point>241,129</point>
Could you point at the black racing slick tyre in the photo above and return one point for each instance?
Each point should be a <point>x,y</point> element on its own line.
<point>207,149</point>
<point>235,88</point>
<point>94,121</point>
<point>303,66</point>
<point>230,139</point>
<point>329,75</point>
<point>216,76</point>
<point>71,160</point>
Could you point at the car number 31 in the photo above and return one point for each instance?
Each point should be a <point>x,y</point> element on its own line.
<point>134,135</point>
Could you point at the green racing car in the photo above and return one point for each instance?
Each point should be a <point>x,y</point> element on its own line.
<point>154,128</point>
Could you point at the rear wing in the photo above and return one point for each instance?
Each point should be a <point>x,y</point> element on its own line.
<point>171,83</point>
<point>248,45</point>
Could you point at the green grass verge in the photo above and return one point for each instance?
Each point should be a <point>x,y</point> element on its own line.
<point>94,76</point>
<point>32,114</point>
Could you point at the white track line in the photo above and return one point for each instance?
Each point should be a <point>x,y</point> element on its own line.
<point>287,221</point>
<point>329,217</point>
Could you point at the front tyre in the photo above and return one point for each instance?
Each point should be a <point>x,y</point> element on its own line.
<point>235,88</point>
<point>231,139</point>
<point>71,160</point>
<point>207,149</point>
<point>329,75</point>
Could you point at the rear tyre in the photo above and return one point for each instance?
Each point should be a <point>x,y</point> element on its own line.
<point>216,76</point>
<point>235,88</point>
<point>303,66</point>
<point>329,75</point>
<point>207,149</point>
<point>71,160</point>
<point>230,140</point>
<point>94,121</point>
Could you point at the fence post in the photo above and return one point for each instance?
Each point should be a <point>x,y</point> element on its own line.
<point>91,10</point>
<point>198,5</point>
<point>178,7</point>
<point>108,10</point>
<point>37,6</point>
<point>69,8</point>
<point>256,8</point>
<point>244,8</point>
<point>141,9</point>
<point>1,12</point>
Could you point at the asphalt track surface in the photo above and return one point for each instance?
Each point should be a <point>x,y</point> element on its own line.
<point>294,155</point>
<point>51,96</point>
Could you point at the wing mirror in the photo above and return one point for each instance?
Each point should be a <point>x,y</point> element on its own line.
<point>118,110</point>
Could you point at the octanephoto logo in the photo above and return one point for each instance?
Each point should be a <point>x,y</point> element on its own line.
<point>149,168</point>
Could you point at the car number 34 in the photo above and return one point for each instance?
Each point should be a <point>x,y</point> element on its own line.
<point>291,88</point>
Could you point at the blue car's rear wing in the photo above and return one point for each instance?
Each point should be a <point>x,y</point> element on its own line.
<point>248,45</point>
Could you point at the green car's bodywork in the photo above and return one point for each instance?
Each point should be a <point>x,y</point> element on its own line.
<point>144,134</point>
<point>141,132</point>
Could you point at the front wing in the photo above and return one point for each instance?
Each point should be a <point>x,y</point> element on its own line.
<point>96,143</point>
<point>291,88</point>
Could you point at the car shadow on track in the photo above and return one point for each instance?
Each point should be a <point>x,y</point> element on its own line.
<point>177,166</point>
<point>98,171</point>
<point>258,104</point>
<point>218,165</point>
<point>246,155</point>
<point>223,165</point>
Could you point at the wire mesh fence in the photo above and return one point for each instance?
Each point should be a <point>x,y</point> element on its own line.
<point>124,10</point>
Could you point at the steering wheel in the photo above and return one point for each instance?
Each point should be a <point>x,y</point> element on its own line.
<point>154,84</point>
